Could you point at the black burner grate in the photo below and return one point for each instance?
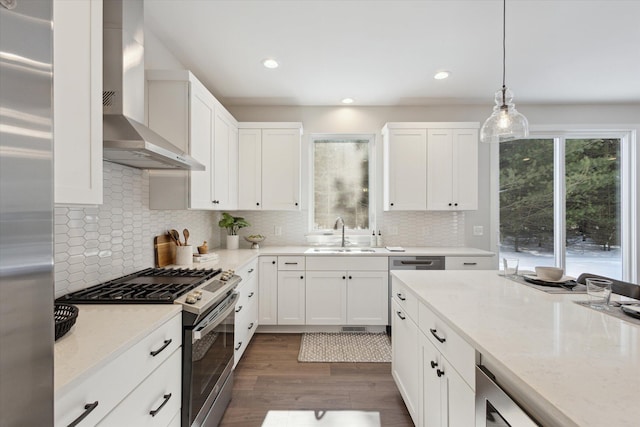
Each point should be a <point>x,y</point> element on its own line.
<point>150,286</point>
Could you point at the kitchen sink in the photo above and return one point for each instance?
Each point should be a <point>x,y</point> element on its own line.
<point>340,250</point>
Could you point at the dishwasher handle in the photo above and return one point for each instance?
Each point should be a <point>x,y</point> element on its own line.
<point>416,262</point>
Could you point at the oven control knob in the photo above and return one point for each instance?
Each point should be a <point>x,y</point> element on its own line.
<point>197,294</point>
<point>191,299</point>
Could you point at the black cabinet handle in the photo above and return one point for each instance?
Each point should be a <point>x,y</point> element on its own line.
<point>302,277</point>
<point>250,295</point>
<point>399,313</point>
<point>238,346</point>
<point>433,364</point>
<point>290,263</point>
<point>391,204</point>
<point>238,309</point>
<point>401,297</point>
<point>344,277</point>
<point>439,372</point>
<point>435,334</point>
<point>449,204</point>
<point>250,271</point>
<point>273,262</point>
<point>164,345</point>
<point>350,277</point>
<point>470,263</point>
<point>455,204</point>
<point>296,203</point>
<point>250,326</point>
<point>88,408</point>
<point>257,203</point>
<point>166,399</point>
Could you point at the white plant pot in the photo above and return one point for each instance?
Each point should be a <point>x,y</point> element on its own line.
<point>233,242</point>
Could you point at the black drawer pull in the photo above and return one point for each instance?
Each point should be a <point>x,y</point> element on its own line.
<point>251,294</point>
<point>433,364</point>
<point>401,297</point>
<point>238,309</point>
<point>166,399</point>
<point>164,345</point>
<point>88,408</point>
<point>238,346</point>
<point>470,263</point>
<point>400,315</point>
<point>250,271</point>
<point>250,326</point>
<point>439,372</point>
<point>435,334</point>
<point>290,263</point>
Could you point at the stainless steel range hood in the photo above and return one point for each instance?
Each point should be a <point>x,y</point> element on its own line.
<point>126,140</point>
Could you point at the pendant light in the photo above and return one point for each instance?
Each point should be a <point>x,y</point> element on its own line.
<point>505,123</point>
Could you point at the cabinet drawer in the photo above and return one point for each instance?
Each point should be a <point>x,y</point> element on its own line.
<point>291,263</point>
<point>248,270</point>
<point>161,388</point>
<point>347,262</point>
<point>454,348</point>
<point>115,380</point>
<point>405,298</point>
<point>469,263</point>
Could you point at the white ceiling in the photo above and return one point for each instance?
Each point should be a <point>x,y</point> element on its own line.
<point>385,52</point>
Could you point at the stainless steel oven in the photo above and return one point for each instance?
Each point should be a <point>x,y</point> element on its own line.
<point>494,407</point>
<point>207,377</point>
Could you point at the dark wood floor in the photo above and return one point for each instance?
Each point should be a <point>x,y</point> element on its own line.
<point>269,376</point>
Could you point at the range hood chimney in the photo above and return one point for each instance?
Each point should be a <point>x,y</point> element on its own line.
<point>126,140</point>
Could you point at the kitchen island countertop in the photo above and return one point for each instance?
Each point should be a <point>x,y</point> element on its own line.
<point>573,364</point>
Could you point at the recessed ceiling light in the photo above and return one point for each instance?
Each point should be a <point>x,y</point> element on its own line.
<point>348,101</point>
<point>441,75</point>
<point>270,63</point>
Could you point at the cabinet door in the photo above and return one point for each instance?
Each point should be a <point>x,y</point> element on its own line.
<point>291,298</point>
<point>405,170</point>
<point>368,297</point>
<point>281,169</point>
<point>460,399</point>
<point>201,142</point>
<point>77,102</point>
<point>326,298</point>
<point>433,387</point>
<point>268,290</point>
<point>465,168</point>
<point>405,364</point>
<point>224,174</point>
<point>250,169</point>
<point>440,169</point>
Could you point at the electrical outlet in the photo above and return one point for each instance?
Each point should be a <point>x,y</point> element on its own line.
<point>277,230</point>
<point>478,230</point>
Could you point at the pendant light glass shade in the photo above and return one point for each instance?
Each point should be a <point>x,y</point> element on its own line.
<point>506,123</point>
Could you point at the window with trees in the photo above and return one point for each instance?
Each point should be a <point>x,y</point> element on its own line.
<point>560,204</point>
<point>341,181</point>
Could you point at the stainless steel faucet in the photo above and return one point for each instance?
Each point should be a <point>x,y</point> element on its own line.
<point>340,223</point>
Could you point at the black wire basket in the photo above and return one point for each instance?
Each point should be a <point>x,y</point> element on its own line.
<point>65,316</point>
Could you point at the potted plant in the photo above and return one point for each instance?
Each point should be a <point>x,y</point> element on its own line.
<point>232,224</point>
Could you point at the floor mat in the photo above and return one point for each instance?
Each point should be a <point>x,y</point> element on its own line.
<point>345,347</point>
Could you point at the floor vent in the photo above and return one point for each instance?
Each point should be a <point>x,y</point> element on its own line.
<point>354,329</point>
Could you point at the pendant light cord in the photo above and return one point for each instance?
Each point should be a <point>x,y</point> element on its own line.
<point>504,48</point>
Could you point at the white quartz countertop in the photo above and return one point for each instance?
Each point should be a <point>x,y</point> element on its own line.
<point>100,334</point>
<point>577,364</point>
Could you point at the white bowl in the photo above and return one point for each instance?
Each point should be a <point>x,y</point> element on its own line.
<point>551,274</point>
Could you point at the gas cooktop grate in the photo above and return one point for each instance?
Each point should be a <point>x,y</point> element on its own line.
<point>150,286</point>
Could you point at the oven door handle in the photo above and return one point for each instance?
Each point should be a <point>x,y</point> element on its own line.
<point>217,320</point>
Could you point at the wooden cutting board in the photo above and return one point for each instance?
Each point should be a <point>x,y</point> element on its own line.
<point>165,250</point>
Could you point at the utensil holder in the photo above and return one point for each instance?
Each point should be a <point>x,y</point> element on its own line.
<point>184,255</point>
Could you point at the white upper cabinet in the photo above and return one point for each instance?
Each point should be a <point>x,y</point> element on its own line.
<point>183,111</point>
<point>430,166</point>
<point>269,166</point>
<point>405,169</point>
<point>452,169</point>
<point>77,101</point>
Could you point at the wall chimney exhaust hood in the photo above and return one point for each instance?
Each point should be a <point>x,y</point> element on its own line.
<point>125,139</point>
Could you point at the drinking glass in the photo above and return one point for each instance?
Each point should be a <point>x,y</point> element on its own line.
<point>510,267</point>
<point>599,292</point>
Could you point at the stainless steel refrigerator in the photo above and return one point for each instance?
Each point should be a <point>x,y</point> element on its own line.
<point>26,213</point>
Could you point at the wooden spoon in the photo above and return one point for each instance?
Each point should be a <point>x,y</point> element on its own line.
<point>186,236</point>
<point>175,236</point>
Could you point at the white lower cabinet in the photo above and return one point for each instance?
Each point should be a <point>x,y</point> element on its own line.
<point>154,402</point>
<point>246,316</point>
<point>447,400</point>
<point>468,263</point>
<point>153,364</point>
<point>326,298</point>
<point>405,365</point>
<point>291,297</point>
<point>367,297</point>
<point>268,290</point>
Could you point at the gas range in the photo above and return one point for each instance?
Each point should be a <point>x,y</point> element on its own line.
<point>196,290</point>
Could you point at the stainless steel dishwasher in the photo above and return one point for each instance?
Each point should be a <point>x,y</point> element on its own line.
<point>411,263</point>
